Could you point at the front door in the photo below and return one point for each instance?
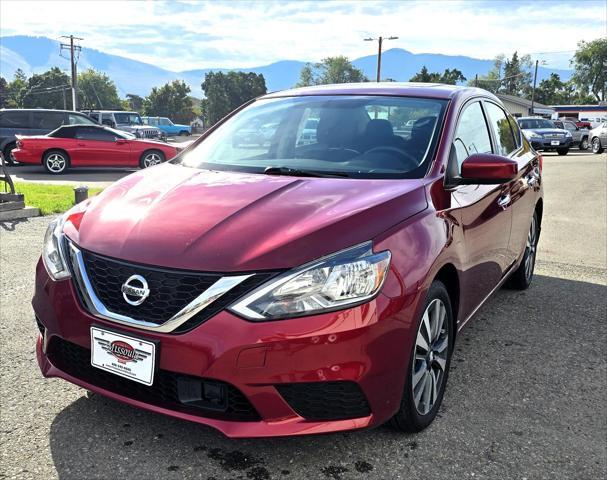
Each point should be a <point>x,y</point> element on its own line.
<point>100,147</point>
<point>482,211</point>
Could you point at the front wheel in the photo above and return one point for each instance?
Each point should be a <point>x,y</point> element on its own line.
<point>429,363</point>
<point>584,144</point>
<point>596,145</point>
<point>151,158</point>
<point>562,151</point>
<point>56,162</point>
<point>522,276</point>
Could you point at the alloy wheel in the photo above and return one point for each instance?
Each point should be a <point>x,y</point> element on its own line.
<point>56,162</point>
<point>151,159</point>
<point>530,249</point>
<point>431,351</point>
<point>596,145</point>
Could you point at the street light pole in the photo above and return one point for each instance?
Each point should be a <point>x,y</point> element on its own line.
<point>380,41</point>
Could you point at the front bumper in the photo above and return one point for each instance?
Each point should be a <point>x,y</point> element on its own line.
<point>546,143</point>
<point>366,345</point>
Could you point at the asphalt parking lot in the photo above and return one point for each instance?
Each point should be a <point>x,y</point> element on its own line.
<point>526,397</point>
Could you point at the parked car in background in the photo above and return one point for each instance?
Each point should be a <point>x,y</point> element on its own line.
<point>598,138</point>
<point>15,122</point>
<point>579,135</point>
<point>130,122</point>
<point>543,135</point>
<point>293,289</point>
<point>167,126</point>
<point>593,120</point>
<point>90,146</point>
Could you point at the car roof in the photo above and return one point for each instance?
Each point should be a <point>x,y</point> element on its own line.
<point>39,110</point>
<point>407,89</point>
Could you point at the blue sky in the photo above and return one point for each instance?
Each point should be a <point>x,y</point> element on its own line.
<point>185,35</point>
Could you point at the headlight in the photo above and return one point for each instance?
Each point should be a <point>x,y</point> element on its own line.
<point>568,133</point>
<point>52,252</point>
<point>530,134</point>
<point>346,278</point>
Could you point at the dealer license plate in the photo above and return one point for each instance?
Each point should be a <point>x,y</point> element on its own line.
<point>555,142</point>
<point>127,357</point>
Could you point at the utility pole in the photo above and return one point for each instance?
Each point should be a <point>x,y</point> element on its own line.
<point>533,91</point>
<point>380,41</point>
<point>73,48</point>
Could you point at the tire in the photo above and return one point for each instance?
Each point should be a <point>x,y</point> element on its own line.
<point>584,144</point>
<point>523,275</point>
<point>8,155</point>
<point>150,158</point>
<point>596,145</point>
<point>427,367</point>
<point>184,133</point>
<point>562,151</point>
<point>56,162</point>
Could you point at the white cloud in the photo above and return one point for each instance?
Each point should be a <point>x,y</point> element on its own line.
<point>189,35</point>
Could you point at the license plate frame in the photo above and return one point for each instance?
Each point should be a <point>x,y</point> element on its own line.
<point>555,143</point>
<point>123,355</point>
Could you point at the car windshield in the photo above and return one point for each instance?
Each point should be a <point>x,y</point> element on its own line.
<point>342,136</point>
<point>531,123</point>
<point>128,119</point>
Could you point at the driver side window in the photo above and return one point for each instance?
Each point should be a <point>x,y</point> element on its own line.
<point>471,136</point>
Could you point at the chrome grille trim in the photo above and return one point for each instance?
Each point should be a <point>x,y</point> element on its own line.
<point>98,309</point>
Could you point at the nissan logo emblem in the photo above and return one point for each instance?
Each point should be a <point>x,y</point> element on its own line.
<point>135,290</point>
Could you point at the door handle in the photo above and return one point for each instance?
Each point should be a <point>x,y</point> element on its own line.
<point>533,178</point>
<point>504,201</point>
<point>81,144</point>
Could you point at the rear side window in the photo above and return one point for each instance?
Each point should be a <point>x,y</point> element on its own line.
<point>47,120</point>
<point>501,129</point>
<point>63,132</point>
<point>99,134</point>
<point>18,119</point>
<point>471,135</point>
<point>516,131</point>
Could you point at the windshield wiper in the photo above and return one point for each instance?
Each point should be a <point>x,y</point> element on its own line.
<point>296,172</point>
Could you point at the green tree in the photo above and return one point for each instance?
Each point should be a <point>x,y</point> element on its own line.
<point>97,90</point>
<point>226,91</point>
<point>135,102</point>
<point>590,68</point>
<point>517,76</point>
<point>330,70</point>
<point>450,77</point>
<point>4,93</point>
<point>490,82</point>
<point>47,90</point>
<point>171,100</point>
<point>15,89</point>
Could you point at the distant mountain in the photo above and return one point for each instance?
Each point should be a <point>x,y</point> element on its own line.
<point>38,54</point>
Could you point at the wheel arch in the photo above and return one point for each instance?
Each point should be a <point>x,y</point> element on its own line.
<point>449,277</point>
<point>55,149</point>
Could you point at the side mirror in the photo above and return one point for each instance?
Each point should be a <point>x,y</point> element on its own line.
<point>487,169</point>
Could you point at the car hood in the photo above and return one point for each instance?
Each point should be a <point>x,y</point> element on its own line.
<point>546,131</point>
<point>181,217</point>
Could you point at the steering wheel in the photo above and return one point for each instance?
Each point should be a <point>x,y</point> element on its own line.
<point>409,160</point>
<point>345,150</point>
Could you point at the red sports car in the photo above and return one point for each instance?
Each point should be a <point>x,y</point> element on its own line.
<point>90,146</point>
<point>300,286</point>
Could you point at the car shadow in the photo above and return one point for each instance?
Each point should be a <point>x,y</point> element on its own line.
<point>37,173</point>
<point>95,437</point>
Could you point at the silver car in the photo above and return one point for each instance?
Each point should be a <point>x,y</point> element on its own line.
<point>598,138</point>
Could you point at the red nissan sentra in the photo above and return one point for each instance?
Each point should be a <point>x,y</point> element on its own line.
<point>90,146</point>
<point>313,284</point>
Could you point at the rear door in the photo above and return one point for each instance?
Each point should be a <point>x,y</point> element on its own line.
<point>523,189</point>
<point>484,221</point>
<point>44,122</point>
